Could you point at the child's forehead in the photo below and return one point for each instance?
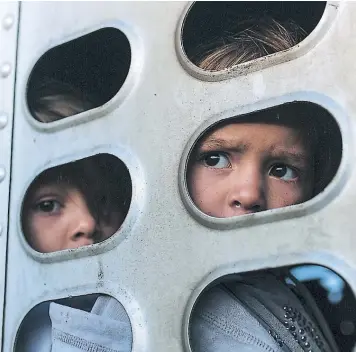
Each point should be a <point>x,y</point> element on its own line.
<point>248,131</point>
<point>49,185</point>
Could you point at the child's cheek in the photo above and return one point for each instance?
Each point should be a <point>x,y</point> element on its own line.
<point>282,194</point>
<point>199,181</point>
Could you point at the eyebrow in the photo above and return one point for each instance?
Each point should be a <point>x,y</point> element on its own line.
<point>293,157</point>
<point>213,143</point>
<point>216,143</point>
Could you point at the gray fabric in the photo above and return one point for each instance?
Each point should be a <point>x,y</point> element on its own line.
<point>110,308</point>
<point>220,323</point>
<point>35,332</point>
<point>258,313</point>
<point>288,310</point>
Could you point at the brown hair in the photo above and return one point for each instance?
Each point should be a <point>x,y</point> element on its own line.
<point>103,179</point>
<point>260,37</point>
<point>316,125</point>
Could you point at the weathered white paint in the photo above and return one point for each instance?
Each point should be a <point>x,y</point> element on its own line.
<point>167,251</point>
<point>8,45</point>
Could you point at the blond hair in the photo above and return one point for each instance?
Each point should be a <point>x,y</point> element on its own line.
<point>259,38</point>
<point>54,100</point>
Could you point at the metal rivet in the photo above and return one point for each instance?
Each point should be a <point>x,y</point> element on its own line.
<point>5,69</point>
<point>3,120</point>
<point>2,173</point>
<point>8,22</point>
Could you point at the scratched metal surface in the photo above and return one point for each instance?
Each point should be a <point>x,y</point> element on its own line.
<point>8,45</point>
<point>167,252</point>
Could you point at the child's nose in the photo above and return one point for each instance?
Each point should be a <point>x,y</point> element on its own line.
<point>83,230</point>
<point>247,193</point>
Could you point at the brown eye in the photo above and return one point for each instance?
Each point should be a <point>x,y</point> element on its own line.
<point>283,172</point>
<point>48,206</point>
<point>216,160</point>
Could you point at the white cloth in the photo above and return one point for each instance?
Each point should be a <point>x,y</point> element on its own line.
<point>106,328</point>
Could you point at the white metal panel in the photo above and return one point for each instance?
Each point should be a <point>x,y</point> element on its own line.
<point>166,253</point>
<point>8,45</point>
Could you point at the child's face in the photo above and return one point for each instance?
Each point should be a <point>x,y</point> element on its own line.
<point>244,168</point>
<point>56,217</point>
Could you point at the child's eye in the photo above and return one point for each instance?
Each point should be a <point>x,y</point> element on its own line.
<point>48,206</point>
<point>216,160</point>
<point>283,172</point>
